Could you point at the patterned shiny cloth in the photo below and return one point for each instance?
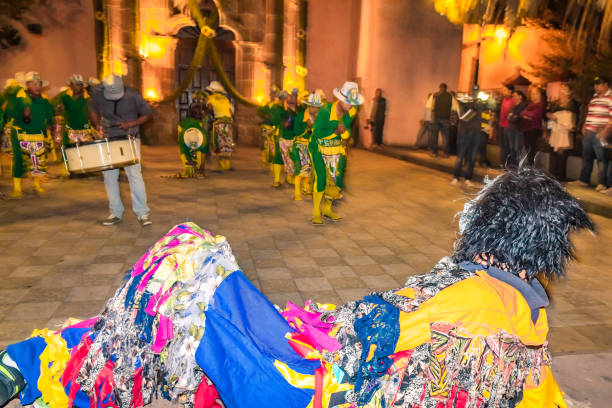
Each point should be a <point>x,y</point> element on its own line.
<point>33,154</point>
<point>285,148</point>
<point>223,137</point>
<point>151,328</point>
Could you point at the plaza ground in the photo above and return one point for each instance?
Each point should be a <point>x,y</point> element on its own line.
<point>399,220</point>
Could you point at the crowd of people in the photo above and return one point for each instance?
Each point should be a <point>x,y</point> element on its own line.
<point>307,138</point>
<point>188,326</point>
<point>35,126</point>
<point>523,123</point>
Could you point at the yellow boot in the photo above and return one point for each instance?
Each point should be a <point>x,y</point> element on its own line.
<point>271,168</point>
<point>290,179</point>
<point>297,192</point>
<point>264,158</point>
<point>17,192</point>
<point>228,164</point>
<point>278,169</point>
<point>328,213</point>
<point>316,208</point>
<point>38,185</point>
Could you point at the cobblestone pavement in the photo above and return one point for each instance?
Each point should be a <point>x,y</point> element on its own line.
<point>58,262</point>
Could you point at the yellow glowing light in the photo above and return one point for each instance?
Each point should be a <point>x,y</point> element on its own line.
<point>482,96</point>
<point>260,91</point>
<point>118,67</point>
<point>500,34</point>
<point>153,47</point>
<point>151,94</point>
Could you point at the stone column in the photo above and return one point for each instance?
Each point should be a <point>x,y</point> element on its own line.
<point>245,116</point>
<point>273,40</point>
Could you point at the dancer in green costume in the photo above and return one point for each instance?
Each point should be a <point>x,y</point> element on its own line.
<point>302,128</point>
<point>193,142</point>
<point>266,113</point>
<point>331,132</point>
<point>32,114</point>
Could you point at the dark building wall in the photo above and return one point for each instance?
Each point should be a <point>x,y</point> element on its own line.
<point>66,45</point>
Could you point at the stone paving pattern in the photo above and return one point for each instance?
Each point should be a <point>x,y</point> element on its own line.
<point>59,262</point>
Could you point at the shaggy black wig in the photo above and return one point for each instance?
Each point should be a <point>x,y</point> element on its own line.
<point>523,218</point>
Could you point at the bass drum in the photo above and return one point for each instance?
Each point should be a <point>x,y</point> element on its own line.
<point>99,155</point>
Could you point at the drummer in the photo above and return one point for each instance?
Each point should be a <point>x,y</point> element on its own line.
<point>118,111</point>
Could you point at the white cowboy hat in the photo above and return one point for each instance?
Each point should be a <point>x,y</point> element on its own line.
<point>215,86</point>
<point>93,81</point>
<point>113,88</point>
<point>34,77</point>
<point>314,100</point>
<point>349,93</point>
<point>76,79</point>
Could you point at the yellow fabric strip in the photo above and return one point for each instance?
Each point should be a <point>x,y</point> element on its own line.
<point>332,150</point>
<point>31,138</point>
<point>53,361</point>
<point>294,378</point>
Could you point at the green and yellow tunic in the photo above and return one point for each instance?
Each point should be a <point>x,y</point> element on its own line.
<point>28,136</point>
<point>327,151</point>
<point>302,130</point>
<point>76,114</point>
<point>196,140</point>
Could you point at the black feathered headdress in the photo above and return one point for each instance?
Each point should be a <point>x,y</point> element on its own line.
<point>523,218</point>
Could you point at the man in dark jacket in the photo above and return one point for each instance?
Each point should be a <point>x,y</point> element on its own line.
<point>377,117</point>
<point>441,112</point>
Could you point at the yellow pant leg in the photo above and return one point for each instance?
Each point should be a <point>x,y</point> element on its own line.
<point>17,189</point>
<point>317,196</point>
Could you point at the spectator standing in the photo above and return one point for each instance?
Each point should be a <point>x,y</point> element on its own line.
<point>532,115</point>
<point>425,129</point>
<point>562,116</point>
<point>117,111</point>
<point>506,106</point>
<point>377,117</point>
<point>442,106</point>
<point>595,135</point>
<point>515,134</point>
<point>469,139</point>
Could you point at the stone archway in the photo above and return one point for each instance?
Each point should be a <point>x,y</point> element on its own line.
<point>185,48</point>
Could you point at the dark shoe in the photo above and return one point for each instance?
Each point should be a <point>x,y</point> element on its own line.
<point>111,220</point>
<point>145,220</point>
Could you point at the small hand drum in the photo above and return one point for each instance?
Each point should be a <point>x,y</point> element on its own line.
<point>193,138</point>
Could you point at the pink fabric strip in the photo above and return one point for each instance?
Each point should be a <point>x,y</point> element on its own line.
<point>165,332</point>
<point>143,284</point>
<point>85,324</point>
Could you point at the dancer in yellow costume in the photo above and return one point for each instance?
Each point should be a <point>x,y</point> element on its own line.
<point>302,128</point>
<point>330,134</point>
<point>222,130</point>
<point>32,114</point>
